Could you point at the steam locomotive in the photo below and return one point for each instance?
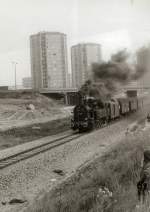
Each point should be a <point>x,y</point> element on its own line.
<point>92,113</point>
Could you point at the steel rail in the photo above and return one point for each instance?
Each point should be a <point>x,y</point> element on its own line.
<point>23,155</point>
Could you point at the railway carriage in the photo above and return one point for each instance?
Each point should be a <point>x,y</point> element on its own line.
<point>133,104</point>
<point>114,109</point>
<point>140,103</point>
<point>124,105</point>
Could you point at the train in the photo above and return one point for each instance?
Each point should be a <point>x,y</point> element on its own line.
<point>91,113</point>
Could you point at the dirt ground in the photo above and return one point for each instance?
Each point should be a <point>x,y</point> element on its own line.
<point>28,107</point>
<point>29,116</point>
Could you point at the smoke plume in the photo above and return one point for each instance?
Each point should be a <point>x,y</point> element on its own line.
<point>109,76</point>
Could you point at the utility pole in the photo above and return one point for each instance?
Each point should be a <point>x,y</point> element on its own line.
<point>15,64</point>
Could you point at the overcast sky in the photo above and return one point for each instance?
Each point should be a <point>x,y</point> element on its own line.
<point>114,24</point>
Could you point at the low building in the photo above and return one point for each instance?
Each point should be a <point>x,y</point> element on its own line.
<point>4,88</point>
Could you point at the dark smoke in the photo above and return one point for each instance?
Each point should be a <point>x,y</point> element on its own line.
<point>98,90</point>
<point>108,76</point>
<point>120,56</point>
<point>116,71</point>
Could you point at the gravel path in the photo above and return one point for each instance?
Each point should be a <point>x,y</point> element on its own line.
<point>31,178</point>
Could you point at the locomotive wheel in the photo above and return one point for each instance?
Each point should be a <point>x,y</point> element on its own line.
<point>100,123</point>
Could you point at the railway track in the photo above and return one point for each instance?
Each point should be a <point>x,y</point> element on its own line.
<point>22,155</point>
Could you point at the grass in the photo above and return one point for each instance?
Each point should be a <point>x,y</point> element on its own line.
<point>108,184</point>
<point>21,135</point>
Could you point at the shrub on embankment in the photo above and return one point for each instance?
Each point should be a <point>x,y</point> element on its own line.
<point>108,184</point>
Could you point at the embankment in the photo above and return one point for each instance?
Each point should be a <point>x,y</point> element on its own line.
<point>106,184</point>
<point>18,135</point>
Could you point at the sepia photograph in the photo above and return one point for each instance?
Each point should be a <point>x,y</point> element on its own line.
<point>75,106</point>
